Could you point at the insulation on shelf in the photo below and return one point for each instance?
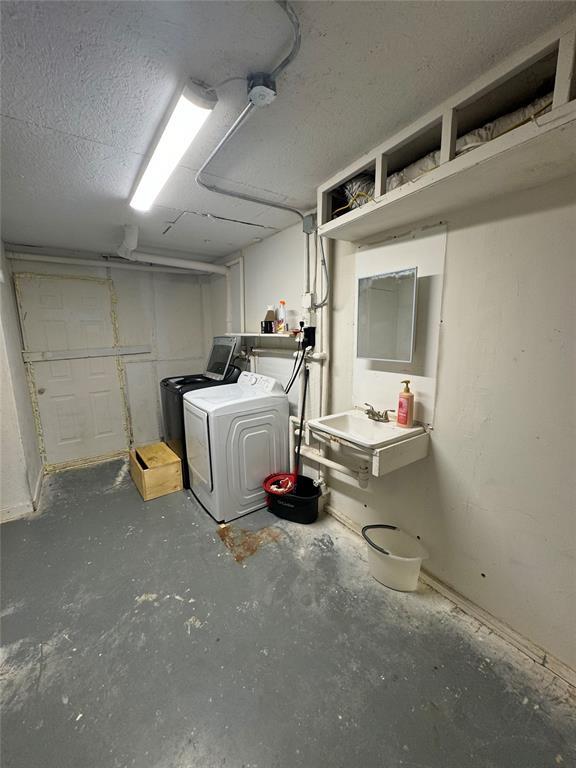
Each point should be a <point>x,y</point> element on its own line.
<point>360,190</point>
<point>472,139</point>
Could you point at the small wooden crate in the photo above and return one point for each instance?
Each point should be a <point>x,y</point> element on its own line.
<point>156,470</point>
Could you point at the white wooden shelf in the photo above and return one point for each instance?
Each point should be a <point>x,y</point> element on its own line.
<point>288,335</point>
<point>533,154</point>
<point>528,155</point>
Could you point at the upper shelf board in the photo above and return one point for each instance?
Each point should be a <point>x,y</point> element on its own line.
<point>530,155</point>
<point>288,335</point>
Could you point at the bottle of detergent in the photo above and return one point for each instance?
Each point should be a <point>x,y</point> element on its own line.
<point>281,325</point>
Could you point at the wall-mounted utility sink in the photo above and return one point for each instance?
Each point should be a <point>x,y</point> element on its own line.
<point>385,446</point>
<point>356,428</point>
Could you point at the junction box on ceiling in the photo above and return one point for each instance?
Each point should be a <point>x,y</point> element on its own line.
<point>261,89</point>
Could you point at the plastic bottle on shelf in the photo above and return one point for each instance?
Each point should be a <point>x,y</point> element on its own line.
<point>281,324</point>
<point>405,412</point>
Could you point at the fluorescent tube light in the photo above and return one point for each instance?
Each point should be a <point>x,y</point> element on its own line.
<point>183,125</point>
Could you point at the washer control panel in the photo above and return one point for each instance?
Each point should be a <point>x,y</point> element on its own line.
<point>261,383</point>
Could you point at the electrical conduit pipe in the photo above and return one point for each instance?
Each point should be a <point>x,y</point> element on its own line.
<point>239,260</point>
<point>243,117</point>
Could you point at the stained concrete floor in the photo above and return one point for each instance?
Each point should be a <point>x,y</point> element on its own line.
<point>132,636</point>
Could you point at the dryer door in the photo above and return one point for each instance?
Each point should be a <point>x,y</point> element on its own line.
<point>198,447</point>
<point>256,447</point>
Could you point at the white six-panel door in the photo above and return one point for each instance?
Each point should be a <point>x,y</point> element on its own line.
<point>78,392</point>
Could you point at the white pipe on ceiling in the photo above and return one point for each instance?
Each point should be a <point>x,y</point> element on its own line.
<point>100,263</point>
<point>127,250</point>
<point>168,261</point>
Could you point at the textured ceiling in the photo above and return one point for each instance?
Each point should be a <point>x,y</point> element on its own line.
<point>86,84</point>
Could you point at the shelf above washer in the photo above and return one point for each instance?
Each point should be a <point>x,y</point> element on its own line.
<point>288,335</point>
<point>536,153</point>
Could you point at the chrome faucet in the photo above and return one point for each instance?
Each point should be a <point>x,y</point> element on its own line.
<point>375,415</point>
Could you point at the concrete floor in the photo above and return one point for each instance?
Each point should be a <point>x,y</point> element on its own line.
<point>132,636</point>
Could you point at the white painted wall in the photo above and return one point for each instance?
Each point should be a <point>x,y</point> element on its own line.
<point>166,311</point>
<point>378,381</point>
<point>160,309</point>
<point>274,270</point>
<point>494,503</point>
<point>20,463</point>
<point>15,496</point>
<point>214,298</point>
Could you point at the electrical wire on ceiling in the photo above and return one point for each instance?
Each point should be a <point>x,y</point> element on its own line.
<point>211,216</point>
<point>214,88</point>
<point>289,11</point>
<point>266,83</point>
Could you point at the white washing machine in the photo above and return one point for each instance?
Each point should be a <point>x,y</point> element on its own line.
<point>236,435</point>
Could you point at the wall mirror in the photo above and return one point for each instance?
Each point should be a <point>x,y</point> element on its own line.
<point>387,316</point>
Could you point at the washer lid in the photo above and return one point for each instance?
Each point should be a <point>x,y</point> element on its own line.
<point>229,396</point>
<point>224,394</point>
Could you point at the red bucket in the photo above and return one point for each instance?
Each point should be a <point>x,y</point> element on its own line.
<point>279,483</point>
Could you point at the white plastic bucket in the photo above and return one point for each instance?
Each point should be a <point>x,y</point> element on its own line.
<point>394,557</point>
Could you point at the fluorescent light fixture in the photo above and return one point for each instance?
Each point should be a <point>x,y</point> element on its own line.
<point>184,123</point>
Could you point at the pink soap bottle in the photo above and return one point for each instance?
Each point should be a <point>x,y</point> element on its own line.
<point>405,413</point>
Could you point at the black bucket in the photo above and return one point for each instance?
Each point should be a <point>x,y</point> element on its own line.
<point>299,506</point>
